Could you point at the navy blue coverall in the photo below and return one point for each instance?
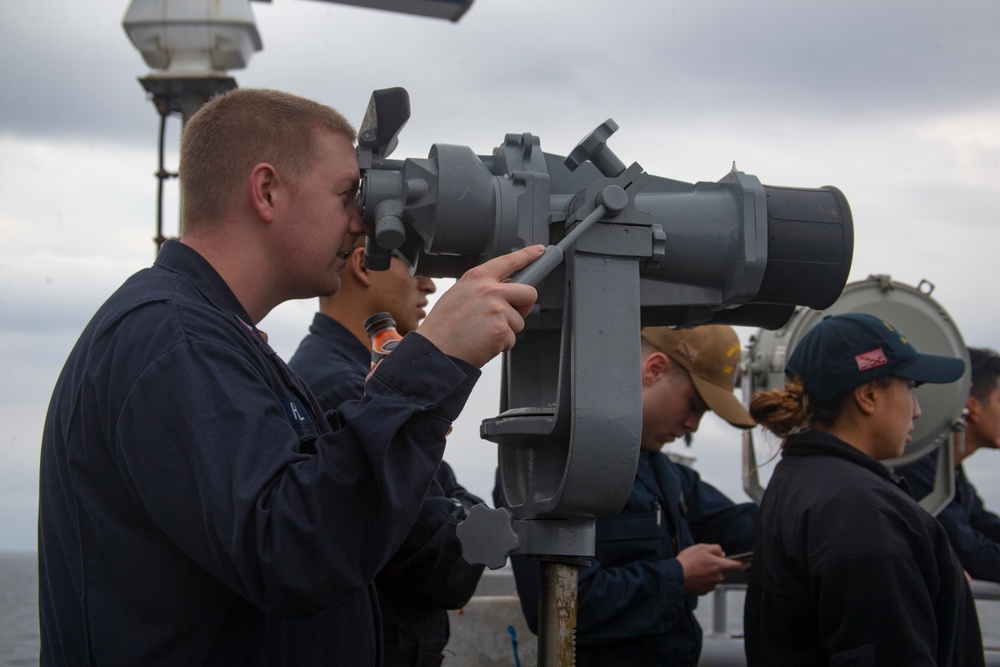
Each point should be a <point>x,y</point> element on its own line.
<point>632,606</point>
<point>973,531</point>
<point>427,575</point>
<point>197,507</point>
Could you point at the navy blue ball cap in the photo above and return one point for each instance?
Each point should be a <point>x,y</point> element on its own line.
<point>845,351</point>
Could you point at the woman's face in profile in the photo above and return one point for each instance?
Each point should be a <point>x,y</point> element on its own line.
<point>896,410</point>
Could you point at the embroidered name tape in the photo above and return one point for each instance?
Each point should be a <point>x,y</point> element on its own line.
<point>295,411</point>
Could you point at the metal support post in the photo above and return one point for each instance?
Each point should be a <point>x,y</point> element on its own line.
<point>557,615</point>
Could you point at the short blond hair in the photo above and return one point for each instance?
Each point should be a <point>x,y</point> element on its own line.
<point>239,129</point>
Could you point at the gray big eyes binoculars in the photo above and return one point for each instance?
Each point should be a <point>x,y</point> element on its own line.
<point>626,249</point>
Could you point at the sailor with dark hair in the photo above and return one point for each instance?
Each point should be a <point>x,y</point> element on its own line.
<point>973,530</point>
<point>427,575</point>
<point>847,568</point>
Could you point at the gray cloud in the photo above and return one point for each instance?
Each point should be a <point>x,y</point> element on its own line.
<point>69,69</point>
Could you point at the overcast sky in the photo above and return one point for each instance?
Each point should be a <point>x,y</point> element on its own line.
<point>895,102</point>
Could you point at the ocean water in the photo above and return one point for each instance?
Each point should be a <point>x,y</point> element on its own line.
<point>19,612</point>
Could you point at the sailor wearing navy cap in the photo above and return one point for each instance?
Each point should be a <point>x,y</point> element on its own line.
<point>847,567</point>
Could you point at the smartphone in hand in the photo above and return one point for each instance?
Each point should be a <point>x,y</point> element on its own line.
<point>742,557</point>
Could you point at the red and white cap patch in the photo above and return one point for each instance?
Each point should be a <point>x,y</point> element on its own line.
<point>871,359</point>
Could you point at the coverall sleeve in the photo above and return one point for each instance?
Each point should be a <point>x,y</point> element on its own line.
<point>290,519</point>
<point>350,387</point>
<point>429,562</point>
<point>974,533</point>
<point>985,521</point>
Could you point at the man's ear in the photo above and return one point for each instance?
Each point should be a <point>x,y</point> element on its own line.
<point>654,367</point>
<point>356,265</point>
<point>972,407</point>
<point>263,182</point>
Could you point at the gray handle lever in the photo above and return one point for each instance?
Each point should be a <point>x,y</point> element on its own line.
<point>612,200</point>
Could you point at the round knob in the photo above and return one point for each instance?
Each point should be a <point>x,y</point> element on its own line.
<point>613,198</point>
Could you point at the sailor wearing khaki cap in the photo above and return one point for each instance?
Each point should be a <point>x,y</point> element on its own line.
<point>667,545</point>
<point>711,356</point>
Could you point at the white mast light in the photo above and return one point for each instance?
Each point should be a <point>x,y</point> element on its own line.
<point>193,36</point>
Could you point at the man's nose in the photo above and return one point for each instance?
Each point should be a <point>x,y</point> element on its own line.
<point>426,285</point>
<point>693,420</point>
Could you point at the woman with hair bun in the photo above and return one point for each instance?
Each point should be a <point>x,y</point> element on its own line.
<point>847,568</point>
